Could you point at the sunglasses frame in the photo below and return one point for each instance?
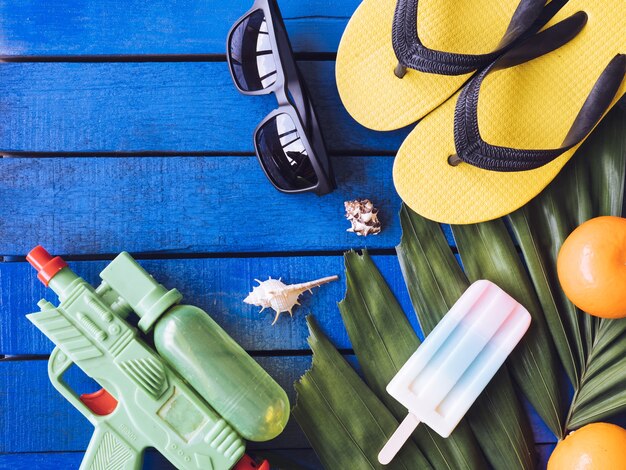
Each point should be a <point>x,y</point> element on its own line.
<point>292,96</point>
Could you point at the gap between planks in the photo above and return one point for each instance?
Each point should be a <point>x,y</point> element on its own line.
<point>253,353</point>
<point>237,255</point>
<point>141,58</point>
<point>173,153</point>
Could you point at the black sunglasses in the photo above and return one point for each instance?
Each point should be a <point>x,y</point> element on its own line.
<point>288,142</point>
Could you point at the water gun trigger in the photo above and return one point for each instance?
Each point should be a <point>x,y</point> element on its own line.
<point>101,402</point>
<point>247,463</point>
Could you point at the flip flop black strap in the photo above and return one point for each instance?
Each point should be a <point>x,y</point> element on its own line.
<point>472,149</point>
<point>413,54</point>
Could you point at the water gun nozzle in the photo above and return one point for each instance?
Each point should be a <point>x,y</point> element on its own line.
<point>45,264</point>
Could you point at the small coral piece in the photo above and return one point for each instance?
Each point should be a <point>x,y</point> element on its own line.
<point>281,297</point>
<point>363,216</point>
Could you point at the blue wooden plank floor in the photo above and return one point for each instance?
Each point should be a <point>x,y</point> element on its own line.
<point>120,129</point>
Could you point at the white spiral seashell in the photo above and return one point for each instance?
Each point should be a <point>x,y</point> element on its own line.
<point>281,297</point>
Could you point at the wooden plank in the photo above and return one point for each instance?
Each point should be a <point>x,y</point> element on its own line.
<point>120,27</point>
<point>279,458</point>
<point>68,460</point>
<point>164,107</point>
<point>304,457</point>
<point>83,206</point>
<point>216,285</point>
<point>62,460</point>
<point>61,428</point>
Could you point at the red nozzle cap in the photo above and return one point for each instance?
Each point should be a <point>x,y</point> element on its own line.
<point>45,264</point>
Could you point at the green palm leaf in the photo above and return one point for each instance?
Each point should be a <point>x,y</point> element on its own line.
<point>590,349</point>
<point>345,422</point>
<point>604,157</point>
<point>383,340</point>
<point>540,236</point>
<point>338,411</point>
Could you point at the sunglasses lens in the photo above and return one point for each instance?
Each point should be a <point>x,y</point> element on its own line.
<point>283,154</point>
<point>250,53</point>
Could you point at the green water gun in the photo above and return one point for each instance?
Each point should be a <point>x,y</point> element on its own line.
<point>193,399</point>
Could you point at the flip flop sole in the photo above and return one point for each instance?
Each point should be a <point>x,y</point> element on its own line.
<point>529,106</point>
<point>368,87</point>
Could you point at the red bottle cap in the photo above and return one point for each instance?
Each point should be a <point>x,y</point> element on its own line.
<point>45,264</point>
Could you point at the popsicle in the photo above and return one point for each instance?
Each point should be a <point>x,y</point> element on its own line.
<point>454,364</point>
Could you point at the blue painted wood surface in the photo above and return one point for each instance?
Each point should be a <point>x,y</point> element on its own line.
<point>158,27</point>
<point>306,460</point>
<point>164,107</point>
<point>183,205</point>
<point>52,414</point>
<point>217,285</point>
<point>147,83</point>
<point>62,428</point>
<point>287,459</point>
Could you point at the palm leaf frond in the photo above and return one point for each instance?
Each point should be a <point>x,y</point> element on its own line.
<point>383,340</point>
<point>345,436</point>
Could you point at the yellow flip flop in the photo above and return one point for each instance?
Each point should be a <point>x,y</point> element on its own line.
<point>478,156</point>
<point>455,38</point>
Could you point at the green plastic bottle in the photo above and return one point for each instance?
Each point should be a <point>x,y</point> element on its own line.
<point>233,383</point>
<point>220,370</point>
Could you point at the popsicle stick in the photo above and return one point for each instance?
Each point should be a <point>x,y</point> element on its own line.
<point>400,436</point>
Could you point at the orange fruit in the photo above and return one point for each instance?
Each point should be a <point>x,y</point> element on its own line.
<point>592,267</point>
<point>597,446</point>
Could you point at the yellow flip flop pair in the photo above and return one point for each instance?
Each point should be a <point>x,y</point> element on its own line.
<point>449,37</point>
<point>500,140</point>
